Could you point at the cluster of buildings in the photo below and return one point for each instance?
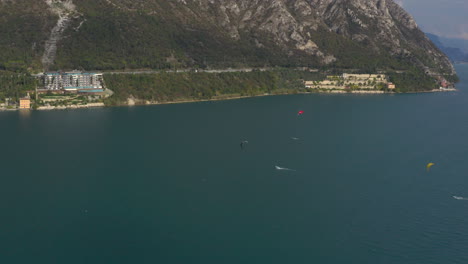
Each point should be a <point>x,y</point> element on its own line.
<point>72,82</point>
<point>444,84</point>
<point>352,81</point>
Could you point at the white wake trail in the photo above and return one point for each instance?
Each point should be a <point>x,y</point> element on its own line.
<point>283,169</point>
<point>460,198</point>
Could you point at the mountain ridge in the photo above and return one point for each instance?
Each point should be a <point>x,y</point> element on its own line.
<point>455,54</point>
<point>158,34</point>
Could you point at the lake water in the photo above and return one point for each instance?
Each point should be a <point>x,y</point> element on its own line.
<point>170,184</point>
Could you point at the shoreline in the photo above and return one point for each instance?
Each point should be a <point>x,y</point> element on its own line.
<point>137,102</point>
<point>185,101</point>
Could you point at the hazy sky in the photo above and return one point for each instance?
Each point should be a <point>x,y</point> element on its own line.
<point>448,18</point>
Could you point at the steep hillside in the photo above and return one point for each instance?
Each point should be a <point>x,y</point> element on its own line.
<point>24,29</point>
<point>126,34</point>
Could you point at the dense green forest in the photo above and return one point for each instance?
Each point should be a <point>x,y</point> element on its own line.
<point>413,81</point>
<point>15,86</point>
<point>23,32</point>
<point>166,87</point>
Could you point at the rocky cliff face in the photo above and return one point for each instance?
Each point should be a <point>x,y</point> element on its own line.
<point>65,10</point>
<point>317,33</point>
<point>381,25</point>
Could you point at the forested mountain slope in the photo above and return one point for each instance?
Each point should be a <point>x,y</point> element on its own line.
<point>128,34</point>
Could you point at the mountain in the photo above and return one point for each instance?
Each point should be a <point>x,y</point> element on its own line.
<point>126,34</point>
<point>456,43</point>
<point>454,54</point>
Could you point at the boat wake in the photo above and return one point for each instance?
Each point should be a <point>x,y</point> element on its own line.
<point>460,198</point>
<point>283,169</point>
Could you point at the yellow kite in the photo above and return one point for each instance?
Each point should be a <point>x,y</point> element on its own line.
<point>429,165</point>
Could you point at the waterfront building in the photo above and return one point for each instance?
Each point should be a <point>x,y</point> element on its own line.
<point>362,77</point>
<point>52,81</point>
<point>348,81</point>
<point>309,84</point>
<point>25,103</point>
<point>74,81</point>
<point>391,86</point>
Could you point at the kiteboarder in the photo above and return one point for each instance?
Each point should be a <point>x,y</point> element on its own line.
<point>429,165</point>
<point>242,144</point>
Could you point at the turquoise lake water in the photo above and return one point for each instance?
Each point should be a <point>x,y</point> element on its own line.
<point>170,184</point>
